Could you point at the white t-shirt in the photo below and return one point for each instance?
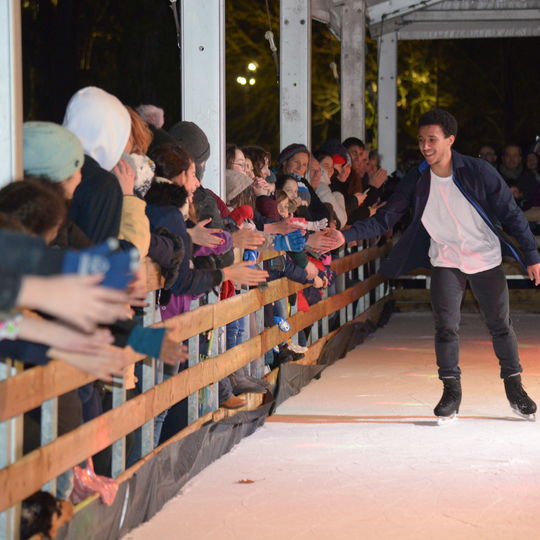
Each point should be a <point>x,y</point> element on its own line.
<point>460,238</point>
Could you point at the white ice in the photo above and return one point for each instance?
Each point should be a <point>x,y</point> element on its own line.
<point>358,455</point>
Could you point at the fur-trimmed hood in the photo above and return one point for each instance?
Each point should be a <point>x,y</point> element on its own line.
<point>166,194</point>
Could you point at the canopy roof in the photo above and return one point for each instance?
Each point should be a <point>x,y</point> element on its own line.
<point>440,19</point>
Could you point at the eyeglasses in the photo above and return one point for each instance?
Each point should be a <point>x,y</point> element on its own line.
<point>240,164</point>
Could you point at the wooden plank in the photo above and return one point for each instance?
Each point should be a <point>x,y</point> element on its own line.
<point>36,468</point>
<point>255,400</point>
<point>46,382</point>
<point>57,377</point>
<point>354,260</point>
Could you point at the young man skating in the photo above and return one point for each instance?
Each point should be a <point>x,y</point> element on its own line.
<point>458,203</point>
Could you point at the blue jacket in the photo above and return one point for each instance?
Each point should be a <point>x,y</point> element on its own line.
<point>479,182</point>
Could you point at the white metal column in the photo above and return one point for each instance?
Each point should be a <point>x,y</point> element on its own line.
<point>10,91</point>
<point>387,99</point>
<point>203,80</point>
<point>353,68</point>
<point>295,72</point>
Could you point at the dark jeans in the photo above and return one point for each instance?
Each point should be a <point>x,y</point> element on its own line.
<point>491,291</point>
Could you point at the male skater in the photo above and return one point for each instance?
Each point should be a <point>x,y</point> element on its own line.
<point>457,203</point>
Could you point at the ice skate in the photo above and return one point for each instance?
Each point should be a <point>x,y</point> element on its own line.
<point>521,403</point>
<point>448,407</point>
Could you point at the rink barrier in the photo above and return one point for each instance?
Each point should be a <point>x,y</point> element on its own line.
<point>28,474</point>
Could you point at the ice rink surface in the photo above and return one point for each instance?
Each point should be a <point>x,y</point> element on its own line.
<point>358,455</point>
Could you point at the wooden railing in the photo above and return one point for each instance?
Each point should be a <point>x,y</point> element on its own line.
<point>22,476</point>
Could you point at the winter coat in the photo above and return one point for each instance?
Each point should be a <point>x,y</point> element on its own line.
<point>163,203</point>
<point>480,183</point>
<point>96,207</point>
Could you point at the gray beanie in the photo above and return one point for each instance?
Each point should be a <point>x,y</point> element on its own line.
<point>193,139</point>
<point>235,183</point>
<point>51,150</point>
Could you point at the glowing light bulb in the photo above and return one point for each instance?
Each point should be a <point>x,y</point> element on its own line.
<point>252,66</point>
<point>251,82</point>
<point>241,80</point>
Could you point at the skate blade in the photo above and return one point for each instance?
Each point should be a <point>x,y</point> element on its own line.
<point>446,420</point>
<point>529,417</point>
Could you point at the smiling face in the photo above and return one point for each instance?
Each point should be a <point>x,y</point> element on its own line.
<point>359,158</point>
<point>290,187</point>
<point>327,163</point>
<point>297,164</point>
<point>436,149</point>
<point>188,179</point>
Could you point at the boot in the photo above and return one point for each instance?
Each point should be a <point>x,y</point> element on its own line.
<point>448,406</point>
<point>520,402</point>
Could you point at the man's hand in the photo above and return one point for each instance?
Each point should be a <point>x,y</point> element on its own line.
<point>534,273</point>
<point>378,178</point>
<point>204,237</point>
<point>326,240</point>
<point>247,239</point>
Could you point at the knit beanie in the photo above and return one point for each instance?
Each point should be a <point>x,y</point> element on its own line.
<point>51,150</point>
<point>235,183</point>
<point>192,139</point>
<point>289,151</point>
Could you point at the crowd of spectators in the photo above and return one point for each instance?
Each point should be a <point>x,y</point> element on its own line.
<point>111,187</point>
<point>520,169</point>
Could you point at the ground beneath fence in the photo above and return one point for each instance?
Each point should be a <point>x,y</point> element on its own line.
<point>357,454</point>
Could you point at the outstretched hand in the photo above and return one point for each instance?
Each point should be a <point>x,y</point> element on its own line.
<point>243,274</point>
<point>204,237</point>
<point>326,240</point>
<point>247,239</point>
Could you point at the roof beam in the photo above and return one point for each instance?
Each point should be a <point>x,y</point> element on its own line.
<point>396,8</point>
<point>475,15</point>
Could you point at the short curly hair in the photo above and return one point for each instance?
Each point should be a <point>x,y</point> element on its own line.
<point>440,117</point>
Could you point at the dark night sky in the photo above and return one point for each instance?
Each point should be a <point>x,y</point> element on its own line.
<point>493,83</point>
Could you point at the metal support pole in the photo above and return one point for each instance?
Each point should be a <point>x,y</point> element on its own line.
<point>387,98</point>
<point>118,458</point>
<point>148,377</point>
<point>203,80</point>
<point>11,95</point>
<point>193,347</point>
<point>295,72</point>
<point>353,68</point>
<point>49,432</point>
<point>340,287</point>
<point>208,396</point>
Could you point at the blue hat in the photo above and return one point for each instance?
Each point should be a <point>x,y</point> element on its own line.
<point>51,150</point>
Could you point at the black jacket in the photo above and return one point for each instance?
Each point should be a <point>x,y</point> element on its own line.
<point>96,207</point>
